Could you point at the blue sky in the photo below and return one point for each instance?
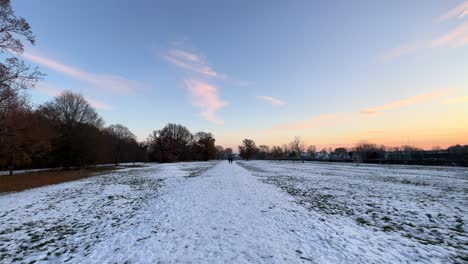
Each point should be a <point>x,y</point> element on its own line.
<point>332,72</point>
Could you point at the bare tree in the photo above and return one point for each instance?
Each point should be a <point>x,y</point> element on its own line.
<point>15,75</point>
<point>228,152</point>
<point>77,124</point>
<point>369,151</point>
<point>219,152</point>
<point>172,143</point>
<point>71,109</point>
<point>298,147</point>
<point>311,150</point>
<point>204,145</point>
<point>24,135</point>
<point>120,134</point>
<point>263,152</point>
<point>436,148</point>
<point>248,149</point>
<point>277,152</point>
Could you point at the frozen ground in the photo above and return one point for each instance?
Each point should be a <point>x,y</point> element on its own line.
<point>260,212</point>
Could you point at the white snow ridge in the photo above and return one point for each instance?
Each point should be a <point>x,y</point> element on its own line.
<point>246,212</point>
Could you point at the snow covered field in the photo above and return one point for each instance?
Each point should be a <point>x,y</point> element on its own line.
<point>259,212</point>
<point>418,213</point>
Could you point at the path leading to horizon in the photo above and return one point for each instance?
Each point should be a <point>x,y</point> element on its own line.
<point>212,212</point>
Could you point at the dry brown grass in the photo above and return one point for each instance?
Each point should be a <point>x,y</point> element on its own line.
<point>19,182</point>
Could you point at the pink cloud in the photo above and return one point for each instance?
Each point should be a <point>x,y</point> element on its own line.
<point>109,82</point>
<point>47,89</point>
<point>406,102</point>
<point>98,104</point>
<point>459,11</point>
<point>206,97</point>
<point>455,38</point>
<point>310,123</point>
<point>191,62</point>
<point>53,92</point>
<point>273,101</point>
<point>402,50</point>
<point>458,100</point>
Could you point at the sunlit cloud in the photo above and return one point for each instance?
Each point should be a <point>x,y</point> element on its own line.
<point>318,121</point>
<point>206,97</point>
<point>459,11</point>
<point>203,92</point>
<point>47,89</point>
<point>403,50</point>
<point>191,62</point>
<point>54,91</point>
<point>110,82</point>
<point>98,104</point>
<point>455,38</point>
<point>407,101</point>
<point>457,100</point>
<point>271,100</point>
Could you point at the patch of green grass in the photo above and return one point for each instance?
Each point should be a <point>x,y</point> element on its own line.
<point>386,219</point>
<point>362,221</point>
<point>387,228</point>
<point>459,226</point>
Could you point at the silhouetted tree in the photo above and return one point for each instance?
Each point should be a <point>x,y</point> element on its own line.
<point>24,136</point>
<point>263,152</point>
<point>248,149</point>
<point>311,150</point>
<point>121,136</point>
<point>277,152</point>
<point>15,75</point>
<point>298,147</point>
<point>171,144</point>
<point>77,124</point>
<point>204,146</point>
<point>340,153</point>
<point>228,152</point>
<point>219,152</point>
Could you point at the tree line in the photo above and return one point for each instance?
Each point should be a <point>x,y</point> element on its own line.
<point>362,152</point>
<point>67,131</point>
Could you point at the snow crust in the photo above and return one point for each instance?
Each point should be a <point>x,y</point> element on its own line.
<point>246,212</point>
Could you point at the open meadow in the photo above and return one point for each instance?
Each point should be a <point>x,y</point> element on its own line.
<point>249,211</point>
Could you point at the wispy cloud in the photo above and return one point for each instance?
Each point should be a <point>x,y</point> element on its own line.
<point>403,50</point>
<point>199,81</point>
<point>192,62</point>
<point>114,83</point>
<point>47,89</point>
<point>54,91</point>
<point>272,100</point>
<point>206,97</point>
<point>407,101</point>
<point>455,38</point>
<point>457,100</point>
<point>98,104</point>
<point>310,123</point>
<point>457,12</point>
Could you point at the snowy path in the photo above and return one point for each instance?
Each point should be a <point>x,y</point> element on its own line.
<point>226,215</point>
<point>189,213</point>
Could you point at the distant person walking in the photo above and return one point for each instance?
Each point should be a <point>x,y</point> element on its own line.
<point>230,159</point>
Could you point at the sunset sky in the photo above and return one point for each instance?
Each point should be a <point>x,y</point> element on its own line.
<point>333,72</point>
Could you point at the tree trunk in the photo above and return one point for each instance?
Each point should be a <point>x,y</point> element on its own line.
<point>11,165</point>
